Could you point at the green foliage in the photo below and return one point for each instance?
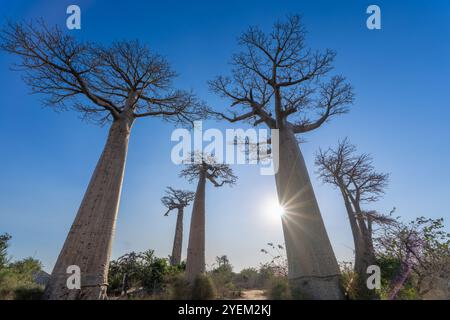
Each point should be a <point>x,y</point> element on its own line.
<point>178,287</point>
<point>390,267</point>
<point>223,265</point>
<point>349,280</point>
<point>181,266</point>
<point>4,243</point>
<point>222,276</point>
<point>422,246</point>
<point>17,278</point>
<point>141,270</point>
<point>203,288</point>
<point>124,272</point>
<point>248,278</point>
<point>8,283</point>
<point>28,292</point>
<point>266,275</point>
<point>355,288</point>
<point>279,289</point>
<point>26,269</point>
<point>154,273</point>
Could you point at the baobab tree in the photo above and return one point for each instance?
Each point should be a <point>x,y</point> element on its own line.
<point>115,85</point>
<point>278,82</point>
<point>203,168</point>
<point>355,176</point>
<point>177,199</point>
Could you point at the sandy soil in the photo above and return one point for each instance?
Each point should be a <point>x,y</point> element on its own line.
<point>253,295</point>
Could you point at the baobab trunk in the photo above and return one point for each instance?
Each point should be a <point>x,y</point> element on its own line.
<point>362,253</point>
<point>367,234</point>
<point>368,253</point>
<point>88,244</point>
<point>175,258</point>
<point>195,262</point>
<point>313,269</point>
<point>356,232</point>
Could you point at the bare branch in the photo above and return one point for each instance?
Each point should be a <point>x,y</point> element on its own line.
<point>101,82</point>
<point>176,199</point>
<point>335,96</point>
<point>275,76</point>
<point>178,107</point>
<point>354,173</point>
<point>218,174</point>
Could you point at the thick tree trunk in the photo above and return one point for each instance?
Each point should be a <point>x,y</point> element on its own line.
<point>175,258</point>
<point>368,252</point>
<point>364,257</point>
<point>313,269</point>
<point>88,244</point>
<point>356,232</point>
<point>195,262</point>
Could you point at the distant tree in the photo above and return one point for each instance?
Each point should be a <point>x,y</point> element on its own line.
<point>355,176</point>
<point>222,275</point>
<point>248,278</point>
<point>177,199</point>
<point>223,262</point>
<point>204,168</point>
<point>4,244</point>
<point>116,85</point>
<point>279,82</point>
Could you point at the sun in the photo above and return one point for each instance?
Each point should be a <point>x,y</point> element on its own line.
<point>278,210</point>
<point>273,209</point>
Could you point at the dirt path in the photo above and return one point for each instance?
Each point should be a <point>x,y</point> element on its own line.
<point>253,295</point>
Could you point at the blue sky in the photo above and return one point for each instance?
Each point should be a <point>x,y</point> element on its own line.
<point>401,116</point>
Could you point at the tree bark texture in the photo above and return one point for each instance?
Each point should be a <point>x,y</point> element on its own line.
<point>364,256</point>
<point>195,262</point>
<point>175,258</point>
<point>313,268</point>
<point>88,244</point>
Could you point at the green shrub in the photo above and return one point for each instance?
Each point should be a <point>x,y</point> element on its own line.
<point>8,282</point>
<point>203,288</point>
<point>222,276</point>
<point>17,282</point>
<point>265,276</point>
<point>247,279</point>
<point>349,280</point>
<point>154,273</point>
<point>279,289</point>
<point>28,292</point>
<point>179,288</point>
<point>141,270</point>
<point>4,244</point>
<point>390,267</point>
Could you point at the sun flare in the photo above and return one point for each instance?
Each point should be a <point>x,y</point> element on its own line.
<point>278,210</point>
<point>273,209</point>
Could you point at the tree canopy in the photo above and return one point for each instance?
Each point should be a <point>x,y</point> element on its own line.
<point>101,82</point>
<point>176,199</point>
<point>218,173</point>
<point>277,80</point>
